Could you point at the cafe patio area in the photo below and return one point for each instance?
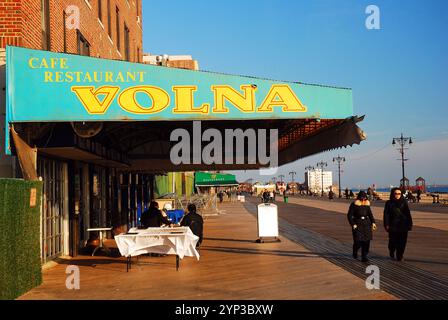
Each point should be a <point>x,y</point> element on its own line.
<point>231,266</point>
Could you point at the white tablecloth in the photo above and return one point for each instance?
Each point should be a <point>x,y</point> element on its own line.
<point>180,241</point>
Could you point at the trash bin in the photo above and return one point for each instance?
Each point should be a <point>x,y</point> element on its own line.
<point>285,198</point>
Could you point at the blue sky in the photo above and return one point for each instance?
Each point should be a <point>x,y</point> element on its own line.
<point>398,73</point>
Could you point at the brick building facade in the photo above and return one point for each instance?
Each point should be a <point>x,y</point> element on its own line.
<point>110,29</point>
<point>77,194</point>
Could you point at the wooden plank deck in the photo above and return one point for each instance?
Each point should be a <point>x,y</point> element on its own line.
<point>232,266</point>
<point>427,241</point>
<point>421,276</point>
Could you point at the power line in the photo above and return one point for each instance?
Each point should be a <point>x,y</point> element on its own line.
<point>371,154</point>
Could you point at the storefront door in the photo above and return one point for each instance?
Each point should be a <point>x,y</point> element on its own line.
<point>54,227</point>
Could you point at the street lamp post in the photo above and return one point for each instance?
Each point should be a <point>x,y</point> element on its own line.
<point>322,165</point>
<point>402,141</point>
<point>339,160</point>
<point>281,178</point>
<point>292,173</point>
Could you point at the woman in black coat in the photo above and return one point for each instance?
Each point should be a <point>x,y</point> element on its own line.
<point>362,222</point>
<point>397,222</point>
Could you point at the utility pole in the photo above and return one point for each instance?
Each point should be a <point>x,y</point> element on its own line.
<point>321,165</point>
<point>281,178</point>
<point>402,141</point>
<point>339,160</point>
<point>292,173</point>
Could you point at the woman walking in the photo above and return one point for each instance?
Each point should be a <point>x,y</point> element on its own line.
<point>397,222</point>
<point>362,222</point>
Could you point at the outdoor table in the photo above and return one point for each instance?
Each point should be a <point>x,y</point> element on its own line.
<point>179,241</point>
<point>101,231</point>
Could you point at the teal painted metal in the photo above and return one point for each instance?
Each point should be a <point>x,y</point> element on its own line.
<point>52,87</point>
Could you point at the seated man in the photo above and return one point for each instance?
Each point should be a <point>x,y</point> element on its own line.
<point>153,217</point>
<point>194,221</point>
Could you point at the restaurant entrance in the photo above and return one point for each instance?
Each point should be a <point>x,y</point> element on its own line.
<point>54,221</point>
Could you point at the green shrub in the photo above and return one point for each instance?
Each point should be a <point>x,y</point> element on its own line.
<point>20,263</point>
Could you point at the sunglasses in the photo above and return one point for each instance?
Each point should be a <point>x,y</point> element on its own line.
<point>397,194</point>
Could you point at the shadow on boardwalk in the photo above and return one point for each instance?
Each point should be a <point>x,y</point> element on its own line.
<point>400,279</point>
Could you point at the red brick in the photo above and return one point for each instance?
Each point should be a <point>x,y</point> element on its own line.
<point>22,20</point>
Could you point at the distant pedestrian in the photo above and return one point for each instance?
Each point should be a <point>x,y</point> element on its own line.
<point>397,222</point>
<point>419,195</point>
<point>331,195</point>
<point>410,197</point>
<point>265,196</point>
<point>352,195</point>
<point>362,222</point>
<point>346,194</point>
<point>369,194</point>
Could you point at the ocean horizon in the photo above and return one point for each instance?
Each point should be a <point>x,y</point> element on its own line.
<point>429,189</point>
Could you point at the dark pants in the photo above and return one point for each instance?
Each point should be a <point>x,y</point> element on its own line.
<point>364,245</point>
<point>397,243</point>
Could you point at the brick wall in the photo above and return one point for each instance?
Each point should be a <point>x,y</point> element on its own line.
<point>183,64</point>
<point>21,25</point>
<point>10,23</point>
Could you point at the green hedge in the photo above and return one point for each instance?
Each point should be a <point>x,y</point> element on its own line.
<point>20,263</point>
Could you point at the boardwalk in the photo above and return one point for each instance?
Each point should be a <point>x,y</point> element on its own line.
<point>426,248</point>
<point>326,233</point>
<point>232,266</point>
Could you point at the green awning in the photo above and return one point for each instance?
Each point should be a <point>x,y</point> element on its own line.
<point>205,179</point>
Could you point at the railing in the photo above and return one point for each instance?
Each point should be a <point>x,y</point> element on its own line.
<point>205,203</point>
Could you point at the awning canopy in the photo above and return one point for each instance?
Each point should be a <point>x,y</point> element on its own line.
<point>129,111</point>
<point>205,179</point>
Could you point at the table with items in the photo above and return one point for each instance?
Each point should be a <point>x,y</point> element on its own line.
<point>179,241</point>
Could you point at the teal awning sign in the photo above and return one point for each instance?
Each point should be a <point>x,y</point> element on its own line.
<point>45,86</point>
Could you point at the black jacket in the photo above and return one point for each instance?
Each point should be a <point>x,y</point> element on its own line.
<point>153,218</point>
<point>397,216</point>
<point>196,224</point>
<point>362,216</point>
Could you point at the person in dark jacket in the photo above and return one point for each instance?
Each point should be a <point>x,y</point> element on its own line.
<point>265,196</point>
<point>153,217</point>
<point>362,222</point>
<point>419,195</point>
<point>194,221</point>
<point>397,222</point>
<point>331,194</point>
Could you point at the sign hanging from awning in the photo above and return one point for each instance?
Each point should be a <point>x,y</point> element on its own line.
<point>205,179</point>
<point>45,86</point>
